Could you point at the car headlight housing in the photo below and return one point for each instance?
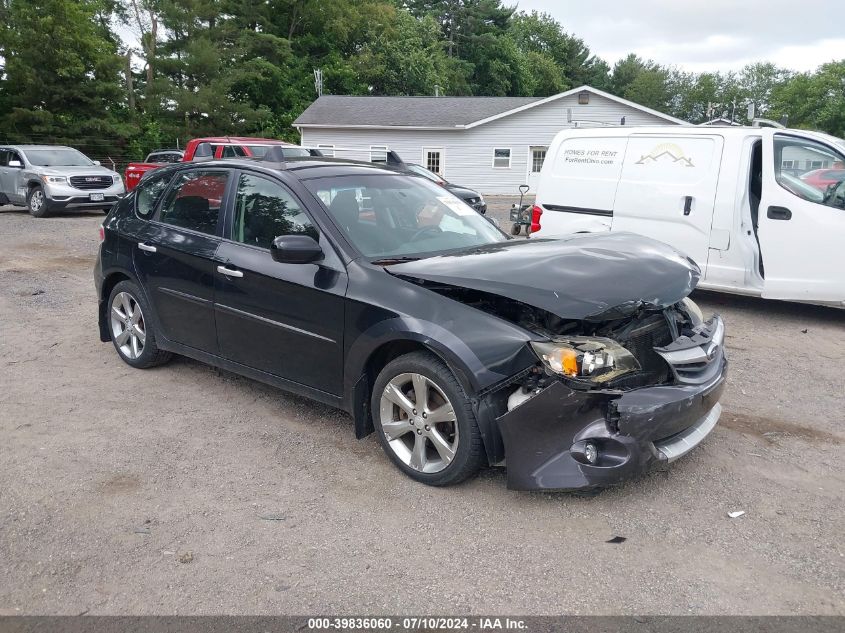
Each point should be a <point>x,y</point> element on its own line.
<point>594,359</point>
<point>117,179</point>
<point>693,311</point>
<point>54,179</point>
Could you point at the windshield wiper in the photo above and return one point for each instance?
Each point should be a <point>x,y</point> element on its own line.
<point>386,261</point>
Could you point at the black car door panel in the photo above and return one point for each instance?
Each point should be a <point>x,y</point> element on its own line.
<point>174,257</point>
<point>284,319</point>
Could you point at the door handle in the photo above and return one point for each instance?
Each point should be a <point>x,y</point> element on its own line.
<point>687,205</point>
<point>146,247</point>
<point>779,213</point>
<point>229,272</point>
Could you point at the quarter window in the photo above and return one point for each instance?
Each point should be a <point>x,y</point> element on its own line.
<point>501,158</point>
<point>264,210</point>
<point>194,200</point>
<point>148,195</point>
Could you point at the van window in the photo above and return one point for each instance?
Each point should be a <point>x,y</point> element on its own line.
<point>814,183</point>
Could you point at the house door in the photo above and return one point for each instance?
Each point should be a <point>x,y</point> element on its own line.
<point>433,160</point>
<point>536,157</point>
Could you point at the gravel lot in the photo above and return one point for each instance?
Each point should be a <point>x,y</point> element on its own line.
<point>186,489</point>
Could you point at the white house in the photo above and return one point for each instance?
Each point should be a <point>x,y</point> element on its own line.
<point>492,144</point>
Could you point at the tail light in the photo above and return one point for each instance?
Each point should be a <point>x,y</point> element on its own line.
<point>102,234</point>
<point>536,212</point>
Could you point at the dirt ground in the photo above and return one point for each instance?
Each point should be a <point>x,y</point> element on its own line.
<point>186,489</point>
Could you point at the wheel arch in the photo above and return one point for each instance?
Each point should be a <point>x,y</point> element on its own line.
<point>110,280</point>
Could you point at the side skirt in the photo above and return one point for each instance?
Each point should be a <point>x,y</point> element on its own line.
<point>255,374</point>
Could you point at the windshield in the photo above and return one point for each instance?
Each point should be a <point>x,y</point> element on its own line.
<point>396,216</point>
<point>59,157</point>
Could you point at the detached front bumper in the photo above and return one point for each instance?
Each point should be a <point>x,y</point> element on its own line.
<point>545,437</point>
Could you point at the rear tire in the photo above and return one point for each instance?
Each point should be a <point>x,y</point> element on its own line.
<point>36,202</point>
<point>425,422</point>
<point>131,332</point>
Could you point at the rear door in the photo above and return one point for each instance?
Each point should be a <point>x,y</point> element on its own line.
<point>801,226</point>
<point>283,319</point>
<point>667,190</point>
<point>174,256</point>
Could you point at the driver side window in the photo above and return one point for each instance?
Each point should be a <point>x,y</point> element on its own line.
<point>807,169</point>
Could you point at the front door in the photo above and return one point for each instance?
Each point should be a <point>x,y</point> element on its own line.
<point>801,225</point>
<point>536,158</point>
<point>667,191</point>
<point>10,176</point>
<point>174,257</point>
<point>282,319</point>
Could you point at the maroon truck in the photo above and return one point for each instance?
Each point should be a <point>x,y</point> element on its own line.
<point>214,147</point>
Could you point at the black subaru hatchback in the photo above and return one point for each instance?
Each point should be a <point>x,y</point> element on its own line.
<point>578,362</point>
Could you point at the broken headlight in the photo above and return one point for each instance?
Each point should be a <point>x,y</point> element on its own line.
<point>594,359</point>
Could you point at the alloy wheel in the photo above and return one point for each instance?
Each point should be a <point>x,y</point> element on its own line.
<point>127,325</point>
<point>36,200</point>
<point>419,422</point>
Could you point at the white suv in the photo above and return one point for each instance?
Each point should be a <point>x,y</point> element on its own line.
<point>47,178</point>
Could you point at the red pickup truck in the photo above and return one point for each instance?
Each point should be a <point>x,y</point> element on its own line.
<point>215,147</point>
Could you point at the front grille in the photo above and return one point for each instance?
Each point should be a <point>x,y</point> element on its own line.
<point>641,341</point>
<point>91,182</point>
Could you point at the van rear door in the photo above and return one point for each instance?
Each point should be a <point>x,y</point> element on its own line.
<point>667,190</point>
<point>801,225</point>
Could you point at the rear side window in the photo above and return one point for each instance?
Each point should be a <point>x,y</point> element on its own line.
<point>148,195</point>
<point>265,210</point>
<point>194,200</point>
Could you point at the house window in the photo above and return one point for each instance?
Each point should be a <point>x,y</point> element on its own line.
<point>378,153</point>
<point>502,158</point>
<point>583,98</point>
<point>789,164</point>
<point>327,150</point>
<point>433,160</point>
<point>538,155</point>
<point>816,164</point>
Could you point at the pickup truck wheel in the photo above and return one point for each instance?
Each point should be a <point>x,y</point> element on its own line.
<point>36,202</point>
<point>425,421</point>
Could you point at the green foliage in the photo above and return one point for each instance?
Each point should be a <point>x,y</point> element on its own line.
<point>246,67</point>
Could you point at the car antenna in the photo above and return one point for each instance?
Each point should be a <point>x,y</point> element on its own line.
<point>275,154</point>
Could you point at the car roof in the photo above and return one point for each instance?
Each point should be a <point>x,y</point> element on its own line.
<point>241,139</point>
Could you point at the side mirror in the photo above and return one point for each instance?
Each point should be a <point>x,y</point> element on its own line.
<point>97,163</point>
<point>295,249</point>
<point>15,163</point>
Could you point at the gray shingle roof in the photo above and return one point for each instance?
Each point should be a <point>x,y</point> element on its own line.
<point>441,112</point>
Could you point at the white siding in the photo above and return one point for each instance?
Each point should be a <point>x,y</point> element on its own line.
<point>468,154</point>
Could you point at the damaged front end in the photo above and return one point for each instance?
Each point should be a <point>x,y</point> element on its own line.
<point>611,399</point>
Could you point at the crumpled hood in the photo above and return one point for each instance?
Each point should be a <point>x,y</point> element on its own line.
<point>585,277</point>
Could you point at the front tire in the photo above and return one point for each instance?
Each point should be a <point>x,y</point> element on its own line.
<point>425,422</point>
<point>36,202</point>
<point>132,334</point>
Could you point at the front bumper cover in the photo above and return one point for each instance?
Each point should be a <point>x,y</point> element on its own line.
<point>634,431</point>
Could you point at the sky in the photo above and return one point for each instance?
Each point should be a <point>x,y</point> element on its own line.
<point>718,35</point>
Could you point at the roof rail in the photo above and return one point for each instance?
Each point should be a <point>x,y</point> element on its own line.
<point>767,123</point>
<point>391,157</point>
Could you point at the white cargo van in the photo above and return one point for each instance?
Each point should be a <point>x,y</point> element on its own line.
<point>731,198</point>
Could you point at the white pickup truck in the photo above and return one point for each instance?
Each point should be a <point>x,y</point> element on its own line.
<point>761,210</point>
<point>47,178</point>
